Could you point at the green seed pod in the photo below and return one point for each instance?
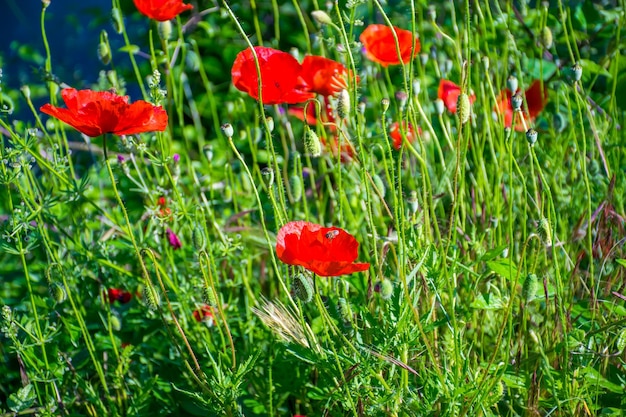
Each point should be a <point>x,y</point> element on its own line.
<point>296,187</point>
<point>531,136</point>
<point>165,29</point>
<point>384,288</point>
<point>198,238</point>
<point>302,288</point>
<point>228,130</point>
<point>516,102</point>
<point>343,104</point>
<point>439,106</point>
<point>512,84</point>
<point>208,296</point>
<point>545,231</point>
<point>546,37</point>
<point>463,107</point>
<point>530,288</point>
<point>57,292</point>
<point>312,144</point>
<point>380,185</point>
<point>117,20</point>
<point>152,298</point>
<point>621,340</point>
<point>270,123</point>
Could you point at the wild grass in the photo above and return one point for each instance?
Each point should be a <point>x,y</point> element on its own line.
<point>496,284</point>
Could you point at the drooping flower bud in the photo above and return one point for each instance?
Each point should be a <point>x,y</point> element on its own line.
<point>117,20</point>
<point>530,288</point>
<point>545,231</point>
<point>153,300</point>
<point>312,144</point>
<point>198,238</point>
<point>302,288</point>
<point>378,182</point>
<point>268,176</point>
<point>296,187</point>
<point>384,288</point>
<point>546,37</point>
<point>104,53</point>
<point>57,292</point>
<point>343,104</point>
<point>208,296</point>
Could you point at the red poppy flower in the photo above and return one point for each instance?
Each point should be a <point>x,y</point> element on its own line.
<point>115,294</point>
<point>535,100</point>
<point>449,93</point>
<point>203,313</point>
<point>280,74</point>
<point>380,45</point>
<point>96,112</point>
<point>323,76</point>
<point>396,134</point>
<point>161,10</point>
<point>326,251</point>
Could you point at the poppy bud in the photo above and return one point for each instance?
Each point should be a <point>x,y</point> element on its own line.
<point>531,136</point>
<point>116,321</point>
<point>511,84</point>
<point>152,298</point>
<point>45,3</point>
<point>486,62</point>
<point>198,238</point>
<point>25,91</point>
<point>495,395</point>
<point>546,37</point>
<point>302,288</point>
<point>413,202</point>
<point>321,17</point>
<point>516,102</point>
<point>384,288</point>
<point>312,144</point>
<point>268,177</point>
<point>530,288</point>
<point>104,53</point>
<point>385,104</point>
<point>296,187</point>
<point>343,104</point>
<point>463,108</point>
<point>208,296</point>
<point>227,129</point>
<point>117,20</point>
<point>544,231</point>
<point>378,182</point>
<point>270,123</point>
<point>344,310</point>
<point>57,292</point>
<point>439,106</point>
<point>576,72</point>
<point>165,29</point>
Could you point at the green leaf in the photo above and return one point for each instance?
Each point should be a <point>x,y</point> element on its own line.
<point>504,268</point>
<point>488,302</point>
<point>594,378</point>
<point>24,398</point>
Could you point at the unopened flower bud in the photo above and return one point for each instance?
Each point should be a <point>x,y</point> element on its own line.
<point>511,84</point>
<point>546,37</point>
<point>57,292</point>
<point>208,296</point>
<point>302,288</point>
<point>413,202</point>
<point>530,288</point>
<point>577,72</point>
<point>439,106</point>
<point>104,53</point>
<point>153,300</point>
<point>45,3</point>
<point>378,182</point>
<point>531,136</point>
<point>463,107</point>
<point>296,187</point>
<point>116,321</point>
<point>417,86</point>
<point>270,123</point>
<point>312,144</point>
<point>384,104</point>
<point>321,17</point>
<point>165,29</point>
<point>343,104</point>
<point>228,130</point>
<point>25,91</point>
<point>516,102</point>
<point>384,288</point>
<point>268,176</point>
<point>198,238</point>
<point>545,231</point>
<point>117,20</point>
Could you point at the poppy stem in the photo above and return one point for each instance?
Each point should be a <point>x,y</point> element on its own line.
<point>104,147</point>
